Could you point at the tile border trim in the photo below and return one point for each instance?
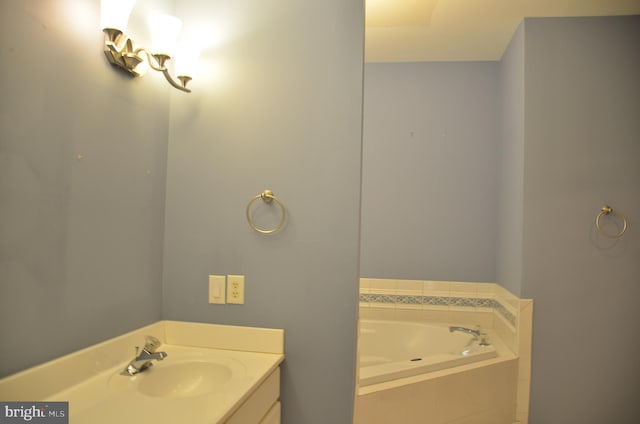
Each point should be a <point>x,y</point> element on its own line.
<point>464,302</point>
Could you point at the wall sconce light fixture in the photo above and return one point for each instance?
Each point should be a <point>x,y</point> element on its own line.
<point>121,51</point>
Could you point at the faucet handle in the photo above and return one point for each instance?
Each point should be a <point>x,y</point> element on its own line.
<point>151,344</point>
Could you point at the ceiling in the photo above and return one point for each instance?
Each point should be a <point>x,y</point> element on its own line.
<point>463,30</point>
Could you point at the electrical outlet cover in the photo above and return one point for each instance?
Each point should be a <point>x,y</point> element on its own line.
<point>235,289</point>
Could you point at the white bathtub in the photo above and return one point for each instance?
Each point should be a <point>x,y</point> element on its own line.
<point>394,349</point>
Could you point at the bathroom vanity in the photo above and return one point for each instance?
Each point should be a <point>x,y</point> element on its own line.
<point>204,373</point>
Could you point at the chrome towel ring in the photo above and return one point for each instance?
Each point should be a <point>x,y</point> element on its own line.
<point>267,196</point>
<point>606,210</point>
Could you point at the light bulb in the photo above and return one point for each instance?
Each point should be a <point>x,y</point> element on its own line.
<point>115,13</point>
<point>164,33</point>
<point>186,61</point>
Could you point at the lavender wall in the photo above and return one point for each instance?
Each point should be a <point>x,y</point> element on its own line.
<point>286,114</point>
<point>511,157</point>
<point>582,145</point>
<point>430,171</point>
<point>80,239</point>
<point>566,102</point>
<point>277,105</point>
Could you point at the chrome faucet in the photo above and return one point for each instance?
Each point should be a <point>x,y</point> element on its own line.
<point>475,333</point>
<point>143,359</point>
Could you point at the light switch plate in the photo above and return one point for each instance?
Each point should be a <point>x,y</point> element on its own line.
<point>235,289</point>
<point>217,286</point>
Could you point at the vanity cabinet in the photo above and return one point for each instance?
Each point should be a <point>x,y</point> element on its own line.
<point>263,405</point>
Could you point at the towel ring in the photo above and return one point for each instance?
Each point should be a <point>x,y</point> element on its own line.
<point>267,196</point>
<point>606,210</point>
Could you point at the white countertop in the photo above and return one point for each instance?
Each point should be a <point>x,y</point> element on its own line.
<point>91,382</point>
<point>112,397</point>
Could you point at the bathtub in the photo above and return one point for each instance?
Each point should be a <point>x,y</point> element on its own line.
<point>395,349</point>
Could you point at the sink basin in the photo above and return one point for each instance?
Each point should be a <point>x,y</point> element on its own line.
<point>182,374</point>
<point>184,379</point>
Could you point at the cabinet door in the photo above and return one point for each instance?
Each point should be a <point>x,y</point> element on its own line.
<point>273,416</point>
<point>256,408</point>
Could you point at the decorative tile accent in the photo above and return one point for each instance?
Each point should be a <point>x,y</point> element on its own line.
<point>464,302</point>
<point>409,300</point>
<point>381,298</point>
<point>435,300</point>
<point>485,303</point>
<point>504,312</point>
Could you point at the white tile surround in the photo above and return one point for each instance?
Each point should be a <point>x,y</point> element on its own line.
<point>485,304</point>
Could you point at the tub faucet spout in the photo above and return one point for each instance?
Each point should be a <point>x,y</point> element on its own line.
<point>143,359</point>
<point>474,333</point>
